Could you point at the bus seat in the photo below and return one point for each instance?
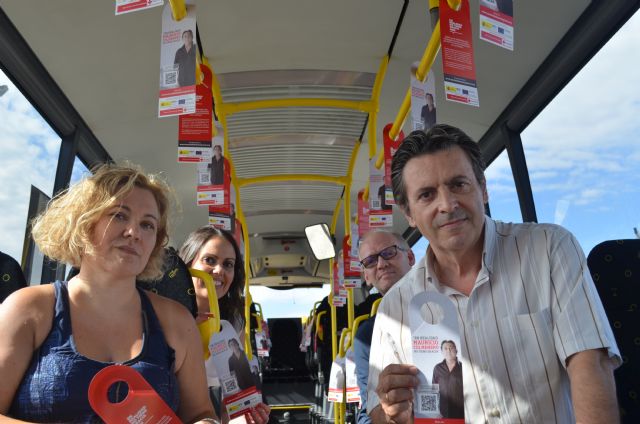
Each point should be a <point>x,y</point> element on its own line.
<point>615,268</point>
<point>175,283</point>
<point>364,308</point>
<point>11,276</point>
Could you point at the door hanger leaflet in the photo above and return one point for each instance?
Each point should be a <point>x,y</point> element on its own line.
<point>390,148</point>
<point>141,405</point>
<point>177,94</point>
<point>380,213</point>
<point>195,129</point>
<point>235,373</point>
<point>458,65</point>
<point>435,340</point>
<point>496,22</point>
<point>423,101</point>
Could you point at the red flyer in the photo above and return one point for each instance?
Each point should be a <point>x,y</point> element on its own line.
<point>458,65</point>
<point>126,6</point>
<point>380,213</point>
<point>363,214</point>
<point>390,148</point>
<point>195,129</point>
<point>142,404</point>
<point>496,22</point>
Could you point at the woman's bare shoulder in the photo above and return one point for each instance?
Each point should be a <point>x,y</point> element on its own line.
<point>30,308</point>
<point>170,311</point>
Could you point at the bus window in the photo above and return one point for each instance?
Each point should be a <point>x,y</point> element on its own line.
<point>583,157</point>
<point>292,303</point>
<point>503,198</point>
<point>29,149</point>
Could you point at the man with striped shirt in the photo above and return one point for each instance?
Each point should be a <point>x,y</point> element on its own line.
<point>536,345</point>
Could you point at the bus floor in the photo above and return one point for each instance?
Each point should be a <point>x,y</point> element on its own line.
<point>289,399</point>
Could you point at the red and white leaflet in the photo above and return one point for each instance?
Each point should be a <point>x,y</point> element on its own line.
<point>363,214</point>
<point>355,240</point>
<point>458,65</point>
<point>224,216</point>
<point>195,129</point>
<point>262,344</point>
<point>209,194</point>
<point>336,380</point>
<point>390,148</point>
<point>380,214</point>
<point>496,22</point>
<point>423,101</point>
<point>233,370</point>
<point>126,6</point>
<point>352,267</point>
<point>435,339</point>
<point>142,403</point>
<point>351,381</point>
<point>177,94</point>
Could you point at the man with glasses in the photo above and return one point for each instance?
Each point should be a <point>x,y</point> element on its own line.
<point>386,258</point>
<point>536,345</point>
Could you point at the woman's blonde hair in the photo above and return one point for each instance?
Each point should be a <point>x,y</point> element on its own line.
<point>64,230</point>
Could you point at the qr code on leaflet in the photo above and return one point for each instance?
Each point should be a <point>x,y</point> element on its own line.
<point>429,402</point>
<point>230,385</point>
<point>375,204</point>
<point>170,78</point>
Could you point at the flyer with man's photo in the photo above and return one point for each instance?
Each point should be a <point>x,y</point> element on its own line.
<point>435,339</point>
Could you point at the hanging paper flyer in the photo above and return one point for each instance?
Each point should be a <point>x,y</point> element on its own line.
<point>195,129</point>
<point>458,65</point>
<point>208,193</point>
<point>126,6</point>
<point>336,380</point>
<point>339,292</point>
<point>390,147</point>
<point>351,381</point>
<point>355,239</point>
<point>352,267</point>
<point>262,344</point>
<point>423,102</point>
<point>177,64</point>
<point>439,398</point>
<point>234,371</point>
<point>363,214</point>
<point>224,216</point>
<point>496,22</point>
<point>380,214</point>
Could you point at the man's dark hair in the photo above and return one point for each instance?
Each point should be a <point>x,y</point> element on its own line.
<point>185,31</point>
<point>450,342</point>
<point>440,137</point>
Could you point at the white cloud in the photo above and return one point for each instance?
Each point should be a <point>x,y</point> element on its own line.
<point>29,151</point>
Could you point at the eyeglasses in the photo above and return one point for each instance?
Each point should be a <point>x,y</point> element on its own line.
<point>387,253</point>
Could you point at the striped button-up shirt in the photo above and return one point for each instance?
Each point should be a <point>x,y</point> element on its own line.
<point>533,305</point>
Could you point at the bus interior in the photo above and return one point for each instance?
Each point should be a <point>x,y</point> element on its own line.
<point>302,91</point>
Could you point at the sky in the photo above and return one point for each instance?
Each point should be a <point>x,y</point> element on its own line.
<point>583,153</point>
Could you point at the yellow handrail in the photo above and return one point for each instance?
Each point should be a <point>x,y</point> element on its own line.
<point>178,9</point>
<point>292,177</point>
<point>318,317</point>
<point>374,307</point>
<point>258,320</point>
<point>356,324</point>
<point>345,337</point>
<point>231,108</point>
<point>212,324</point>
